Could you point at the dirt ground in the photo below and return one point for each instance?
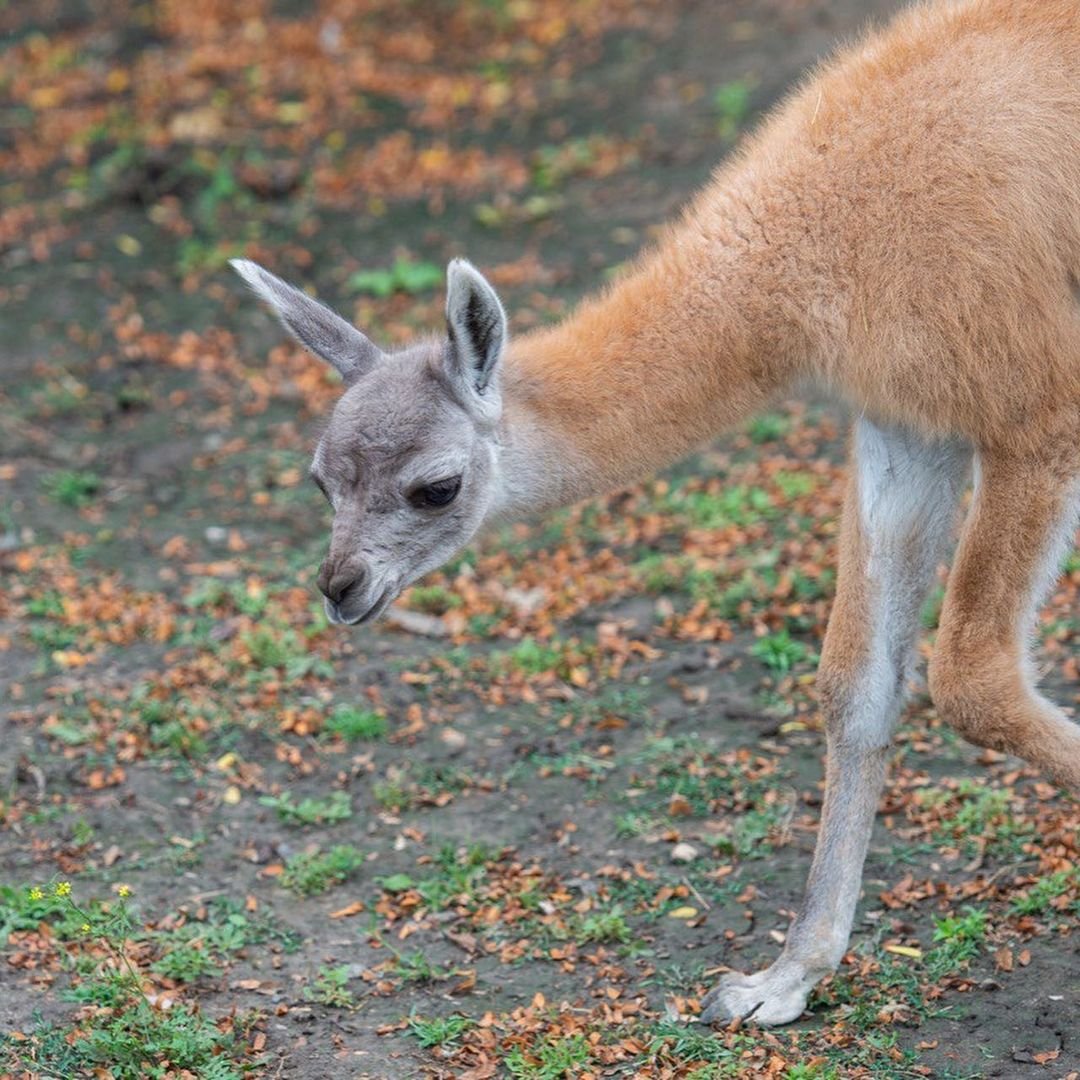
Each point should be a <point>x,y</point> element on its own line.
<point>453,844</point>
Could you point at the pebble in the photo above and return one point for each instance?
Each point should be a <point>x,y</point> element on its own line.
<point>684,853</point>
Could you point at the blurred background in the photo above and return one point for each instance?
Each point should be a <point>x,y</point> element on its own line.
<point>518,828</point>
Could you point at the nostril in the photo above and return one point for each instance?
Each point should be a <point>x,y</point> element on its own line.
<point>335,586</point>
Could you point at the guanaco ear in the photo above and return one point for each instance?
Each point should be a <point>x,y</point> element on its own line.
<point>476,323</point>
<point>314,325</point>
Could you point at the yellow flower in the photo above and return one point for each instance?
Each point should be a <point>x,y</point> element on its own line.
<point>123,891</point>
<point>63,888</point>
<point>36,894</point>
<point>85,928</point>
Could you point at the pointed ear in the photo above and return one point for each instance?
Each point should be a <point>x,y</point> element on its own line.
<point>476,323</point>
<point>314,325</point>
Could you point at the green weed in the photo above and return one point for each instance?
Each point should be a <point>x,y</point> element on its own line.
<point>768,427</point>
<point>1041,897</point>
<point>404,276</point>
<point>439,1030</point>
<point>731,102</point>
<point>779,652</point>
<point>355,724</point>
<point>331,987</point>
<point>550,1060</point>
<point>309,874</point>
<point>604,927</point>
<point>433,599</point>
<point>337,806</point>
<point>73,488</point>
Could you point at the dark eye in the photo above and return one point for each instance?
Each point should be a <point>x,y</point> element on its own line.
<point>441,493</point>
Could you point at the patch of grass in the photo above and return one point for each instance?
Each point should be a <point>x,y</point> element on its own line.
<point>124,1034</point>
<point>354,724</point>
<point>686,1044</point>
<point>75,488</point>
<point>457,874</point>
<point>795,485</point>
<point>404,276</point>
<point>552,1059</point>
<point>203,945</point>
<point>604,927</point>
<point>976,818</point>
<point>958,940</point>
<point>931,609</point>
<point>440,1030</point>
<point>738,504</point>
<point>1042,896</point>
<point>531,657</point>
<point>27,908</point>
<point>731,103</point>
<point>309,874</point>
<point>391,794</point>
<point>415,967</point>
<point>270,648</point>
<point>331,987</point>
<point>337,806</point>
<point>779,652</point>
<point>769,427</point>
<point>186,963</point>
<point>433,599</point>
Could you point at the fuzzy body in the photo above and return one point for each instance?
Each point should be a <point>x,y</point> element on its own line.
<point>905,229</point>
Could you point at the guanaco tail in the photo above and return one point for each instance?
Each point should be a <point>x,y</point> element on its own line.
<point>905,232</point>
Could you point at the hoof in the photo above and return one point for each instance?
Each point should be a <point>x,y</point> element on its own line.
<point>774,996</point>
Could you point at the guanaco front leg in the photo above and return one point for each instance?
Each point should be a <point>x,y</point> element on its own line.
<point>1022,523</point>
<point>901,503</point>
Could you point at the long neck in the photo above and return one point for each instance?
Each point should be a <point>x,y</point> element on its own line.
<point>690,343</point>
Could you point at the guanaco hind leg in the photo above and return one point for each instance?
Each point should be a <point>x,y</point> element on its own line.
<point>1022,523</point>
<point>901,503</point>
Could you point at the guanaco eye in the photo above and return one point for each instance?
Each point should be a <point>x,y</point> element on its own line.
<point>440,493</point>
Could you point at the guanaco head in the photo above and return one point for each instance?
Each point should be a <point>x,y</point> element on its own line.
<point>410,457</point>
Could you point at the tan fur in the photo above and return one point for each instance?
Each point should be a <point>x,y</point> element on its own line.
<point>906,231</point>
<point>907,228</point>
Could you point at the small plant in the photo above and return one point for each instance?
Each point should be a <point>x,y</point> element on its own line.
<point>390,794</point>
<point>978,818</point>
<point>186,963</point>
<point>433,599</point>
<point>355,724</point>
<point>531,657</point>
<point>337,806</point>
<point>731,101</point>
<point>779,652</point>
<point>550,1060</point>
<point>415,967</point>
<point>73,488</point>
<point>439,1030</point>
<point>1041,897</point>
<point>269,649</point>
<point>331,987</point>
<point>605,927</point>
<point>958,940</point>
<point>308,875</point>
<point>404,276</point>
<point>768,427</point>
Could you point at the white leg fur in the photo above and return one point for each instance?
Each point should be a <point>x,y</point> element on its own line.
<point>901,505</point>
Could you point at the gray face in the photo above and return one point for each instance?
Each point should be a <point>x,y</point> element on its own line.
<point>409,472</point>
<point>409,462</point>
